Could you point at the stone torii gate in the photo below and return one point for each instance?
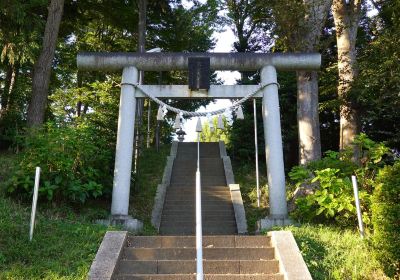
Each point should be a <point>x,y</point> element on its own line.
<point>132,63</point>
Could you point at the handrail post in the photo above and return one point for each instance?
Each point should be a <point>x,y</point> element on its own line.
<point>199,229</point>
<point>256,151</point>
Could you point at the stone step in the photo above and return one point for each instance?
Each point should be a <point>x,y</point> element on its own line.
<point>184,186</point>
<point>206,180</point>
<point>205,163</point>
<point>191,195</point>
<point>188,173</point>
<point>212,161</point>
<point>191,218</point>
<point>205,200</point>
<point>206,277</point>
<point>191,230</point>
<point>189,267</point>
<point>205,203</point>
<point>191,212</point>
<point>213,208</point>
<point>192,154</point>
<point>226,241</point>
<point>176,191</point>
<point>148,254</point>
<point>228,223</point>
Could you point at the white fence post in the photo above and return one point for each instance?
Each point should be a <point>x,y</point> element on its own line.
<point>34,202</point>
<point>357,200</point>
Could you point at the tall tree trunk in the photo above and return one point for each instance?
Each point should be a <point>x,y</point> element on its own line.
<point>308,116</point>
<point>42,67</point>
<point>307,83</point>
<point>346,17</point>
<point>141,49</point>
<point>140,102</point>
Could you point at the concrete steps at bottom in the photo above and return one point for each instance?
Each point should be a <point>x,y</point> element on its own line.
<point>206,277</point>
<point>174,257</point>
<point>189,267</point>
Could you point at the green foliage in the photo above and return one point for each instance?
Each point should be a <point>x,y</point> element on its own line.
<point>151,164</point>
<point>329,178</point>
<point>378,85</point>
<point>215,134</point>
<point>386,218</point>
<point>332,199</point>
<point>335,254</point>
<point>75,163</point>
<point>245,177</point>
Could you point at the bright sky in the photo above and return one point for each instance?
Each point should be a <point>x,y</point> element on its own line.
<point>224,44</point>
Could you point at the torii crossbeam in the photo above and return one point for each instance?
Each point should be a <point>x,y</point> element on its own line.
<point>267,64</point>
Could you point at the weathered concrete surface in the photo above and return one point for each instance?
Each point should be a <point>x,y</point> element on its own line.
<point>183,91</point>
<point>230,178</point>
<point>288,254</point>
<point>125,221</point>
<point>222,149</point>
<point>158,206</point>
<point>226,257</point>
<point>179,61</point>
<point>174,148</point>
<point>166,179</point>
<point>273,145</point>
<point>240,214</point>
<point>270,222</point>
<point>108,255</point>
<point>236,195</point>
<point>124,145</point>
<point>162,188</point>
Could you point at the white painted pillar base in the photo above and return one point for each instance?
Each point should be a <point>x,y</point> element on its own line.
<point>273,146</point>
<point>124,149</point>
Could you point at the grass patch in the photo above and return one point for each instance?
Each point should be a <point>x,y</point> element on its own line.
<point>329,251</point>
<point>333,253</point>
<point>62,247</point>
<point>65,240</point>
<point>245,177</point>
<point>151,166</point>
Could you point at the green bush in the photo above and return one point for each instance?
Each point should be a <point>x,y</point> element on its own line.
<point>75,161</point>
<point>386,218</point>
<point>333,198</point>
<point>330,194</point>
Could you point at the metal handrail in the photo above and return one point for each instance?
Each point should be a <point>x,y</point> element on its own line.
<point>199,228</point>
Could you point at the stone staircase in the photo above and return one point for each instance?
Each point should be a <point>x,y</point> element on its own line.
<point>173,257</point>
<point>178,215</point>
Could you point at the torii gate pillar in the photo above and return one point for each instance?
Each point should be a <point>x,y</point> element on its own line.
<point>278,214</point>
<point>124,147</point>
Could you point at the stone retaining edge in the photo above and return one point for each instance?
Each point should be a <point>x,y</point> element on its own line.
<point>162,188</point>
<point>291,262</point>
<point>236,195</point>
<point>108,255</point>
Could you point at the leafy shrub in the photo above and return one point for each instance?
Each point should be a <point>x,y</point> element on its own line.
<point>333,199</point>
<point>386,218</point>
<point>329,179</point>
<point>75,163</point>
